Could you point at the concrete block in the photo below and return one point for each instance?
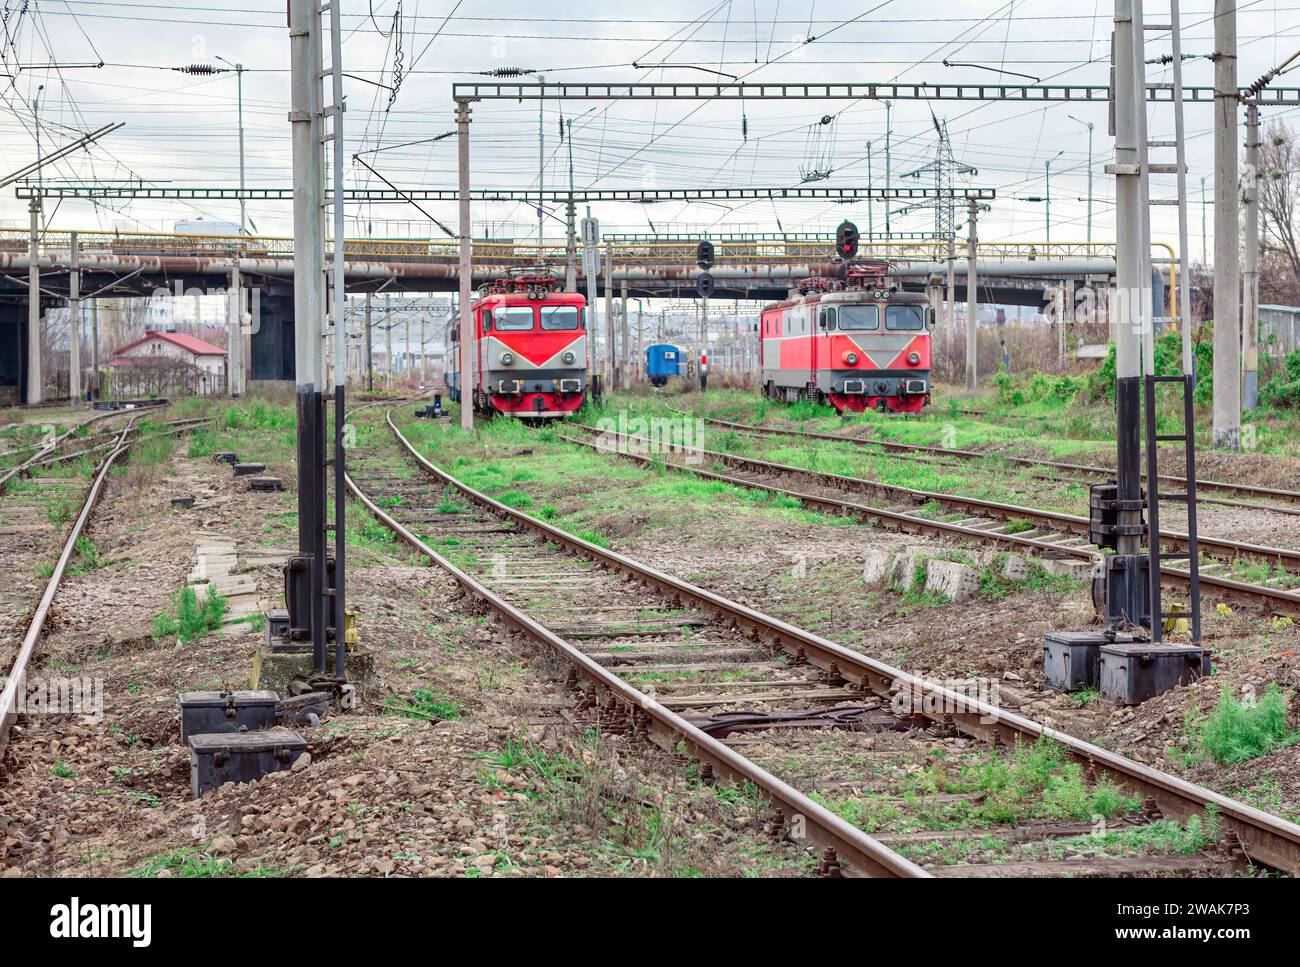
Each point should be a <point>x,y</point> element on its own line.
<point>874,567</point>
<point>903,568</point>
<point>1015,568</point>
<point>953,580</point>
<point>1070,567</point>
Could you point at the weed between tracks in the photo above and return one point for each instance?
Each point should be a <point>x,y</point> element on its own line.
<point>1239,730</point>
<point>640,824</point>
<point>191,619</point>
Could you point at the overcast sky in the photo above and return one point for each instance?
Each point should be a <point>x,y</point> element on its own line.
<point>182,129</point>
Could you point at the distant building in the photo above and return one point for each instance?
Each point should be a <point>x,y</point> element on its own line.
<point>164,363</point>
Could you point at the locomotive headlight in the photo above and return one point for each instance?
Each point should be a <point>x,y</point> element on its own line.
<point>507,359</point>
<point>913,358</point>
<point>569,358</point>
<point>851,358</point>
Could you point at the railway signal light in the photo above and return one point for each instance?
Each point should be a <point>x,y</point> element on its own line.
<point>846,240</point>
<point>704,255</point>
<point>704,285</point>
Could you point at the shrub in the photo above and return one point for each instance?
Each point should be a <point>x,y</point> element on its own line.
<point>1283,390</point>
<point>193,618</point>
<point>1240,730</point>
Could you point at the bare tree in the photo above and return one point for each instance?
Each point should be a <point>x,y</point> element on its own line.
<point>1279,194</point>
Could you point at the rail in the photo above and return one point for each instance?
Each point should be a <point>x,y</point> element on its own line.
<point>1266,838</point>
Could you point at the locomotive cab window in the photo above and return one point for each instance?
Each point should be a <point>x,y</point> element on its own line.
<point>860,317</point>
<point>485,317</point>
<point>514,318</point>
<point>561,317</point>
<point>905,318</point>
<point>827,321</point>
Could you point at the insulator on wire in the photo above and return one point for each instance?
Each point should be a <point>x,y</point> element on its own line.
<point>197,69</point>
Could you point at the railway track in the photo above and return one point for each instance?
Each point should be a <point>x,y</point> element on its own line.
<point>45,451</point>
<point>1049,533</point>
<point>949,456</point>
<point>38,509</point>
<point>659,657</point>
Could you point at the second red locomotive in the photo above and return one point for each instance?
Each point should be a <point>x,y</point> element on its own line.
<point>857,343</point>
<point>530,348</point>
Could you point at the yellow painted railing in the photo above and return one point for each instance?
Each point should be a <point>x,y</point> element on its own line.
<point>731,252</point>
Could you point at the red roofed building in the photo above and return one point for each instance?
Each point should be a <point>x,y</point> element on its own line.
<point>169,362</point>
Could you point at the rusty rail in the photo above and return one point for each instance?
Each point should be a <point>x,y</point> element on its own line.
<point>17,676</point>
<point>1267,839</point>
<point>1219,486</point>
<point>1056,520</point>
<point>1279,599</point>
<point>857,852</point>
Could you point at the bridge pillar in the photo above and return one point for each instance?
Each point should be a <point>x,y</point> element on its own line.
<point>273,342</point>
<point>13,353</point>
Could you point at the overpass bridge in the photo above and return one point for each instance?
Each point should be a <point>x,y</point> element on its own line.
<point>136,265</point>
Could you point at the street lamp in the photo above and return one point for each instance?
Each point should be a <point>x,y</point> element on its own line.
<point>239,88</point>
<point>1089,126</point>
<point>1047,195</point>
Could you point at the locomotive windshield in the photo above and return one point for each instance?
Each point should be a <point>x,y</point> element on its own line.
<point>514,318</point>
<point>905,318</point>
<point>859,317</point>
<point>561,317</point>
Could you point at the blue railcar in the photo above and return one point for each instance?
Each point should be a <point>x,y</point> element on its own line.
<point>663,361</point>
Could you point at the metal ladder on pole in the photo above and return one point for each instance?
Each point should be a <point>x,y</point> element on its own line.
<point>1187,380</point>
<point>333,195</point>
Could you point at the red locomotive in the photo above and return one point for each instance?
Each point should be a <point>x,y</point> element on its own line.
<point>855,342</point>
<point>530,347</point>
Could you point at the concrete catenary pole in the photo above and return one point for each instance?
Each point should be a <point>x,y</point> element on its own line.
<point>309,298</point>
<point>571,218</point>
<point>1227,323</point>
<point>74,318</point>
<point>610,342</point>
<point>1126,306</point>
<point>950,316</point>
<point>466,311</point>
<point>1250,269</point>
<point>370,359</point>
<point>340,304</point>
<point>94,345</point>
<point>625,326</point>
<point>234,332</point>
<point>35,380</point>
<point>972,300</point>
<point>590,266</point>
<point>388,341</point>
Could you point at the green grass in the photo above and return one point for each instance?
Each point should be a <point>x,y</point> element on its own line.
<point>425,704</point>
<point>1237,730</point>
<point>61,510</point>
<point>61,770</point>
<point>195,863</point>
<point>995,585</point>
<point>192,619</point>
<point>1031,781</point>
<point>87,557</point>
